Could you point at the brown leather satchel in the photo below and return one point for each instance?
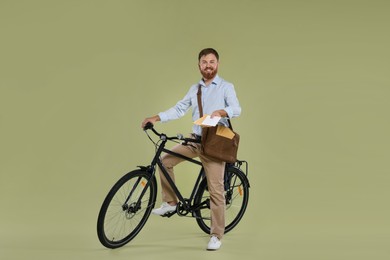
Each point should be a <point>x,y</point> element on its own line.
<point>216,146</point>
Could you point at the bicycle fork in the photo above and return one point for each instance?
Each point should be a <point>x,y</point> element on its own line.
<point>132,208</point>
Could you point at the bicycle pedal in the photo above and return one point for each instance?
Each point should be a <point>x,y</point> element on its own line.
<point>169,214</point>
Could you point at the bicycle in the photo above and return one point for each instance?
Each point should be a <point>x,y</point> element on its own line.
<point>130,201</point>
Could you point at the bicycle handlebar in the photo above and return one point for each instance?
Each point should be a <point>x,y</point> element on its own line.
<point>150,126</point>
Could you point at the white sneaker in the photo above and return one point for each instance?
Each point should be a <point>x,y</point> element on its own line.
<point>164,209</point>
<point>214,243</point>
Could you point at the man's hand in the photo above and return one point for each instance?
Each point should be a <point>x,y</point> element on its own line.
<point>152,120</point>
<point>220,113</point>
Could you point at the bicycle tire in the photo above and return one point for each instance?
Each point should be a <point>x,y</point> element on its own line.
<point>236,196</point>
<point>120,219</point>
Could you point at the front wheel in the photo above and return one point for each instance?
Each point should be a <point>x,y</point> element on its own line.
<point>126,208</point>
<point>236,196</point>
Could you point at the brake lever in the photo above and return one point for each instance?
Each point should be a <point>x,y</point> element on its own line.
<point>186,140</point>
<point>187,144</point>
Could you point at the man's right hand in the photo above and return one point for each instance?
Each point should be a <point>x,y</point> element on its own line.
<point>152,120</point>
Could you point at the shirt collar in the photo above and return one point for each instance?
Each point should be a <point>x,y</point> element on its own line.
<point>215,81</point>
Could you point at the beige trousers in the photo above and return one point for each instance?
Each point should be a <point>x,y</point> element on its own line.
<point>215,177</point>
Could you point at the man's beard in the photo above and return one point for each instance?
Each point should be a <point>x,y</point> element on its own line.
<point>209,74</point>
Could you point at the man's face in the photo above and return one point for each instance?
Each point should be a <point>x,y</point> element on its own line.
<point>208,66</point>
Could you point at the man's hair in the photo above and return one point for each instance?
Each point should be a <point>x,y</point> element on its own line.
<point>207,51</point>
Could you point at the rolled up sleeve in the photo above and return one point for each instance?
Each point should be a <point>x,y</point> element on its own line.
<point>176,111</point>
<point>232,105</point>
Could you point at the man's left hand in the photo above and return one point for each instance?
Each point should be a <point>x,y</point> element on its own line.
<point>220,113</point>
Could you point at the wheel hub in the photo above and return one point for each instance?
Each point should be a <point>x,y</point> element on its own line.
<point>130,210</point>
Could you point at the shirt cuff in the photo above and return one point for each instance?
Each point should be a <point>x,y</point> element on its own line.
<point>163,117</point>
<point>229,111</point>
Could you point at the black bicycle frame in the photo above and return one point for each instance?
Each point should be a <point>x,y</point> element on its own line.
<point>156,161</point>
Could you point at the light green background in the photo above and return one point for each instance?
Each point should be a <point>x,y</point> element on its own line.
<point>78,77</point>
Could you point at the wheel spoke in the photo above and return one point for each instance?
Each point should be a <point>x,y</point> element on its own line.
<point>120,219</point>
<point>236,197</point>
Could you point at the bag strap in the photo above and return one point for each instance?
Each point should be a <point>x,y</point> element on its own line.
<point>199,96</point>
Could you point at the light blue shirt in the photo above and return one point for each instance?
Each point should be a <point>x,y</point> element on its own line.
<point>220,94</point>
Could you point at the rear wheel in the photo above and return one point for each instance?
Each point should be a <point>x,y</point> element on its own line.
<point>123,214</point>
<point>236,196</point>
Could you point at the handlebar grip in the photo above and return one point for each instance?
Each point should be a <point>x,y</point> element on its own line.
<point>148,125</point>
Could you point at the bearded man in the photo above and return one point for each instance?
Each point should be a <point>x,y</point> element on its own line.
<point>218,98</point>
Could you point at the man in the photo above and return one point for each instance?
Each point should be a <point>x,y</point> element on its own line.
<point>218,99</point>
